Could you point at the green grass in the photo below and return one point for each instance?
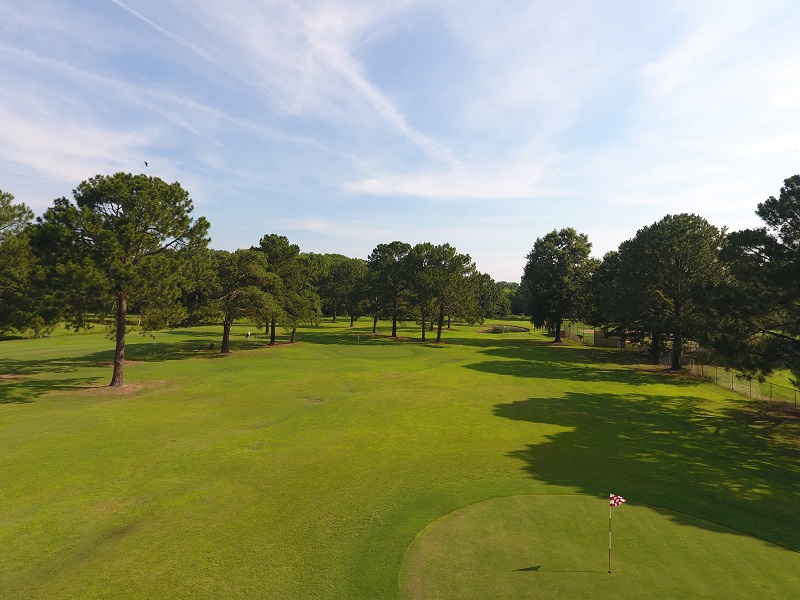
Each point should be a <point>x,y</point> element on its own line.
<point>556,546</point>
<point>307,470</point>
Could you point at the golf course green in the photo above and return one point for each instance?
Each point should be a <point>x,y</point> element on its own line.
<point>352,465</point>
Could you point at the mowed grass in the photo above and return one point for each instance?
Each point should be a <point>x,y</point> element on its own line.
<point>308,470</point>
<point>544,546</point>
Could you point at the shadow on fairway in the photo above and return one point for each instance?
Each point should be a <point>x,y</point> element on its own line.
<point>21,383</point>
<point>21,390</point>
<point>544,360</point>
<point>734,467</point>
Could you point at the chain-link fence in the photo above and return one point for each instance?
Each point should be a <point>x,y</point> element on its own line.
<point>752,388</point>
<point>588,336</point>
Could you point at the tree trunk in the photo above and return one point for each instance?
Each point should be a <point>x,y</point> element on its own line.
<point>226,336</point>
<point>424,325</point>
<point>272,333</point>
<point>352,320</point>
<point>557,338</point>
<point>375,324</point>
<point>394,317</point>
<point>117,379</point>
<point>266,329</point>
<point>655,348</point>
<point>440,324</point>
<point>448,321</point>
<point>334,314</point>
<point>677,351</point>
<point>294,335</point>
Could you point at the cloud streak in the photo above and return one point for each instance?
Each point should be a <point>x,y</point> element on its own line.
<point>347,115</point>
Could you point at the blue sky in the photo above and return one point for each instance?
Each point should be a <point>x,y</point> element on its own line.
<point>347,123</point>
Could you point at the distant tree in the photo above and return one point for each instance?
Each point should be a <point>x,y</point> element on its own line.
<point>373,302</point>
<point>663,274</point>
<point>418,272</point>
<point>237,290</point>
<point>303,304</point>
<point>515,296</point>
<point>618,301</point>
<point>123,241</point>
<point>439,285</point>
<point>556,278</point>
<point>388,266</point>
<point>356,289</point>
<point>284,266</point>
<point>756,306</point>
<point>334,283</point>
<point>491,298</point>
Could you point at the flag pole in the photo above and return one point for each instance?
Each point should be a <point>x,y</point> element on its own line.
<point>613,500</point>
<point>609,538</point>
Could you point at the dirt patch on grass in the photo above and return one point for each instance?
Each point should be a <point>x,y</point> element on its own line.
<point>110,363</point>
<point>126,390</point>
<point>107,390</point>
<point>662,370</point>
<point>10,376</point>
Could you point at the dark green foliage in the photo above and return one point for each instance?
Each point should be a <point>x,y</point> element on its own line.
<point>389,277</point>
<point>237,291</point>
<point>291,285</point>
<point>491,297</point>
<point>342,286</point>
<point>514,296</point>
<point>661,276</point>
<point>124,241</point>
<point>758,306</point>
<point>24,299</point>
<point>357,289</point>
<point>556,278</point>
<point>438,283</point>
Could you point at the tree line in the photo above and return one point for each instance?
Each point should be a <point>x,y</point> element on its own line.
<point>128,243</point>
<point>681,279</point>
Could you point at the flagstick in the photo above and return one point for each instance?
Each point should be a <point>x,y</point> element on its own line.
<point>609,538</point>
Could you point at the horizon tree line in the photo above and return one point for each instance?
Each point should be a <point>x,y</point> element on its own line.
<point>128,244</point>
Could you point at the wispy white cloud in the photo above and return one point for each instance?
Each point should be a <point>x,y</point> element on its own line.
<point>601,116</point>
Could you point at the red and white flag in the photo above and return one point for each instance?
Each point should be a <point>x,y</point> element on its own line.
<point>616,500</point>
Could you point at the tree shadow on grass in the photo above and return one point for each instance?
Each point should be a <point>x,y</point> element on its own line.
<point>539,360</point>
<point>20,382</point>
<point>22,390</point>
<point>731,466</point>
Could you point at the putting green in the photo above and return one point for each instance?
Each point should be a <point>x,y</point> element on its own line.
<point>557,547</point>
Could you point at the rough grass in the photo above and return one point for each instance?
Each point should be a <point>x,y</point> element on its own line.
<point>307,470</point>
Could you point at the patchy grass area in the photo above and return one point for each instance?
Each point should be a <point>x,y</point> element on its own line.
<point>307,470</point>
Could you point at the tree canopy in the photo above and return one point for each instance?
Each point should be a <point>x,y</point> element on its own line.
<point>556,278</point>
<point>758,306</point>
<point>121,242</point>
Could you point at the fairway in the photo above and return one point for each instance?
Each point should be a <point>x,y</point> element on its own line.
<point>347,468</point>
